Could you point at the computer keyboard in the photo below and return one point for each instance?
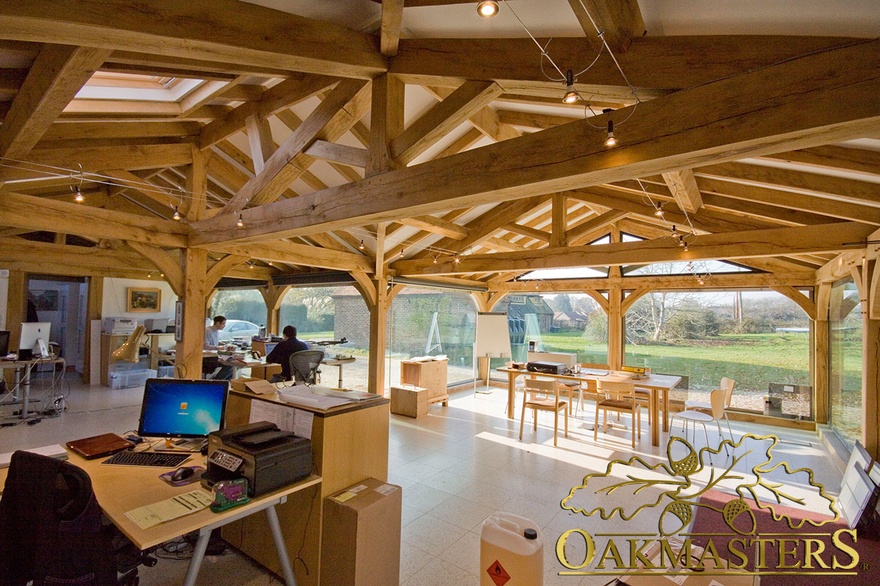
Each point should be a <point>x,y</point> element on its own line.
<point>162,459</point>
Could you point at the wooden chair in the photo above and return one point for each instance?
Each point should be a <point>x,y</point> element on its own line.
<point>716,402</point>
<point>584,387</point>
<point>619,396</point>
<point>543,395</point>
<point>726,385</point>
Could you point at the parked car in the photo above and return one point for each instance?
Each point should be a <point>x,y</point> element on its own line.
<point>237,328</point>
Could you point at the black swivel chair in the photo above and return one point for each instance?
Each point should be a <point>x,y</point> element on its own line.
<point>304,366</point>
<point>52,530</point>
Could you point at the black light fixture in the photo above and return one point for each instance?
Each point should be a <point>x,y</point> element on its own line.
<point>176,215</point>
<point>487,8</point>
<point>658,210</point>
<point>611,140</point>
<point>79,197</point>
<point>240,221</point>
<point>571,96</point>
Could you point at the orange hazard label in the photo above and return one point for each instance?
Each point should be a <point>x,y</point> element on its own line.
<point>498,574</point>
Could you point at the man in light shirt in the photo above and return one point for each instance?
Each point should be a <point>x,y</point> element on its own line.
<point>212,342</point>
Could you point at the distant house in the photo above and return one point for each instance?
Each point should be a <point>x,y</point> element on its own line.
<point>518,306</point>
<point>569,320</point>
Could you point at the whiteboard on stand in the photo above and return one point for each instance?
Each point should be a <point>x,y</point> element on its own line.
<point>493,336</point>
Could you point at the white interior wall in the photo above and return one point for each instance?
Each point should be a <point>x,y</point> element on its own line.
<point>115,300</point>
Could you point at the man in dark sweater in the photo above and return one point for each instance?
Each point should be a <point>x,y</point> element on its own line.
<point>280,354</point>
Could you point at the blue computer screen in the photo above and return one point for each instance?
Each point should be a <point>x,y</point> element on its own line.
<point>182,408</point>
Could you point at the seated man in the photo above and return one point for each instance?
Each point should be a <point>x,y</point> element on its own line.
<point>212,342</point>
<point>280,354</point>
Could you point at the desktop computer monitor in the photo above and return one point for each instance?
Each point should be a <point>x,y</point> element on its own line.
<point>182,408</point>
<point>35,337</point>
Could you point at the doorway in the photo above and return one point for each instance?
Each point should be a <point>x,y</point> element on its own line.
<point>62,302</point>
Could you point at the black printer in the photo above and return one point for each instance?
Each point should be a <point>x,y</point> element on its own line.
<point>546,367</point>
<point>259,452</point>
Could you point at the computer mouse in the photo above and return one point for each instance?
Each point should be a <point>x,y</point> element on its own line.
<point>182,474</point>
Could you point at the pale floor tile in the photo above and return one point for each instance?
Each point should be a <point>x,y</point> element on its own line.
<point>458,465</point>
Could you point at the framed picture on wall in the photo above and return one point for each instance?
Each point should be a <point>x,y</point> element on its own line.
<point>142,299</point>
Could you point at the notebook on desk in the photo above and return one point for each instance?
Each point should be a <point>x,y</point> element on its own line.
<point>99,445</point>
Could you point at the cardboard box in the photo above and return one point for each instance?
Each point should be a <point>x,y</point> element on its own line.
<point>265,371</point>
<point>360,543</point>
<point>238,383</point>
<point>409,400</point>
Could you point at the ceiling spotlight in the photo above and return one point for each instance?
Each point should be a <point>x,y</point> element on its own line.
<point>685,244</point>
<point>435,259</point>
<point>79,197</point>
<point>487,8</point>
<point>681,240</point>
<point>457,259</point>
<point>240,221</point>
<point>176,215</point>
<point>658,211</point>
<point>250,265</point>
<point>571,96</point>
<point>611,140</point>
<point>361,245</point>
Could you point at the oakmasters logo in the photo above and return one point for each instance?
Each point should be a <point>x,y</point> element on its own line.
<point>710,517</point>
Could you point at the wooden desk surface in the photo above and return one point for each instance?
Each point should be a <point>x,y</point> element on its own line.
<point>123,488</point>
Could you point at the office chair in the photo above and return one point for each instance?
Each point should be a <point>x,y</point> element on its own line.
<point>52,530</point>
<point>304,366</point>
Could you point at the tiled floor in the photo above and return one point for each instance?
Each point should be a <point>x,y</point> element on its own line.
<point>457,466</point>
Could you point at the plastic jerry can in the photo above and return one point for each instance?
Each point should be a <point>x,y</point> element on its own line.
<point>511,551</point>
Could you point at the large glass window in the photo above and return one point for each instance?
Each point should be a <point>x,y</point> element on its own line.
<point>430,322</point>
<point>245,312</point>
<point>329,314</point>
<point>760,339</point>
<point>557,322</point>
<point>845,371</point>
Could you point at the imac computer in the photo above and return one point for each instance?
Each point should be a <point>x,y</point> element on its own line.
<point>34,339</point>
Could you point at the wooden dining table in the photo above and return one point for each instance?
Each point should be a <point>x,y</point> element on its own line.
<point>659,386</point>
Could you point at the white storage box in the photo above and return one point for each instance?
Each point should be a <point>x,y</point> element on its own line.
<point>130,378</point>
<point>164,371</point>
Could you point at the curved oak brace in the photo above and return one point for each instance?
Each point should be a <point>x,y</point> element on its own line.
<point>366,287</point>
<point>632,298</point>
<point>805,303</point>
<point>273,296</point>
<point>221,267</point>
<point>164,262</point>
<point>600,299</point>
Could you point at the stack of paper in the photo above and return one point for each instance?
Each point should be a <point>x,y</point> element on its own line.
<point>178,506</point>
<point>53,451</point>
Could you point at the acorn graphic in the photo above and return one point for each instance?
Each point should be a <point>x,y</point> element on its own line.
<point>684,466</point>
<point>739,517</point>
<point>675,516</point>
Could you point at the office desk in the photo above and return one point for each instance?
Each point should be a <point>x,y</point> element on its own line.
<point>23,381</point>
<point>123,488</point>
<point>349,444</point>
<point>657,384</point>
<point>338,362</point>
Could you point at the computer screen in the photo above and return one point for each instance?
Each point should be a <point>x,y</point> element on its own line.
<point>33,331</point>
<point>182,408</point>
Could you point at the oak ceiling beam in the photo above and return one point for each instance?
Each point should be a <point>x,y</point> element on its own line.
<point>279,173</point>
<point>593,224</point>
<point>301,254</point>
<point>282,95</point>
<point>18,211</point>
<point>168,264</point>
<point>389,32</point>
<point>718,281</point>
<point>789,200</point>
<point>436,226</point>
<point>817,99</point>
<point>661,63</point>
<point>52,162</point>
<point>619,21</point>
<point>527,231</point>
<point>340,153</point>
<point>441,119</point>
<point>213,30</point>
<point>833,157</point>
<point>103,130</point>
<point>684,189</point>
<point>745,244</point>
<point>852,190</point>
<point>58,72</point>
<point>124,180</point>
<point>485,119</point>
